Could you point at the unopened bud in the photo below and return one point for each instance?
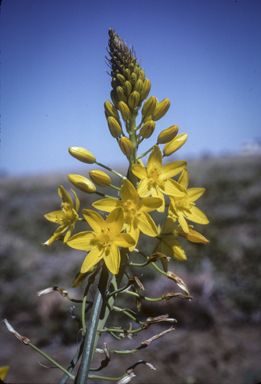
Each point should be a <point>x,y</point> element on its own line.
<point>114,98</point>
<point>114,127</point>
<point>175,144</point>
<point>167,134</point>
<point>127,88</point>
<point>133,78</point>
<point>161,109</point>
<point>138,86</point>
<point>142,75</point>
<point>100,178</point>
<point>147,129</point>
<point>149,106</point>
<point>121,79</point>
<point>82,155</point>
<point>121,94</point>
<point>124,110</point>
<point>110,110</point>
<point>82,183</point>
<point>126,146</point>
<point>134,99</point>
<point>145,89</point>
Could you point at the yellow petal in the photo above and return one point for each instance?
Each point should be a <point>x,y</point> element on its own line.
<point>146,225</point>
<point>55,216</point>
<point>172,188</point>
<point>139,171</point>
<point>112,260</point>
<point>124,240</point>
<point>184,178</point>
<point>77,202</point>
<point>196,215</point>
<point>115,221</point>
<point>173,168</point>
<point>128,192</point>
<point>83,241</point>
<point>107,205</point>
<point>183,223</point>
<point>195,193</point>
<point>149,204</point>
<point>65,196</point>
<point>155,159</point>
<point>92,259</point>
<point>93,219</point>
<point>143,188</point>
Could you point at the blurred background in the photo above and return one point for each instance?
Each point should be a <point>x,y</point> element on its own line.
<point>205,57</point>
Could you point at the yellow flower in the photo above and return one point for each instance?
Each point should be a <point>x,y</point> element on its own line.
<point>184,208</point>
<point>104,241</point>
<point>67,217</point>
<point>135,211</point>
<point>3,372</point>
<point>168,243</point>
<point>156,179</point>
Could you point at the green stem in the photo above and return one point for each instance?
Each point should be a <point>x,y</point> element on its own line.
<point>51,360</point>
<point>111,170</point>
<point>145,153</point>
<point>88,346</point>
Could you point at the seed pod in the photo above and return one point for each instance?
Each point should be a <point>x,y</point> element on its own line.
<point>114,127</point>
<point>126,146</point>
<point>82,183</point>
<point>142,75</point>
<point>175,144</point>
<point>110,110</point>
<point>147,129</point>
<point>120,78</point>
<point>121,94</point>
<point>134,100</point>
<point>124,110</point>
<point>114,98</point>
<point>138,86</point>
<point>100,178</point>
<point>82,155</point>
<point>161,109</point>
<point>145,89</point>
<point>167,134</point>
<point>127,88</point>
<point>149,106</point>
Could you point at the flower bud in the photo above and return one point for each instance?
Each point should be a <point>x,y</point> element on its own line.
<point>142,74</point>
<point>126,146</point>
<point>133,78</point>
<point>100,178</point>
<point>147,129</point>
<point>124,110</point>
<point>138,86</point>
<point>82,183</point>
<point>161,109</point>
<point>167,134</point>
<point>82,155</point>
<point>175,144</point>
<point>145,89</point>
<point>126,73</point>
<point>114,98</point>
<point>121,94</point>
<point>149,106</point>
<point>110,110</point>
<point>127,88</point>
<point>121,79</point>
<point>134,100</point>
<point>114,127</point>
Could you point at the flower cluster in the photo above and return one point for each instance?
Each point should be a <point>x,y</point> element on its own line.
<point>144,190</point>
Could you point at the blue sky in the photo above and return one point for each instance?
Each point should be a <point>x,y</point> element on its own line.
<point>204,55</point>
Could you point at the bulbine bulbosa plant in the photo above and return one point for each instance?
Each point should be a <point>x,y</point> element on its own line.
<point>116,223</point>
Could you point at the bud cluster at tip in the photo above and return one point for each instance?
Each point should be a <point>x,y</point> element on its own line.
<point>129,86</point>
